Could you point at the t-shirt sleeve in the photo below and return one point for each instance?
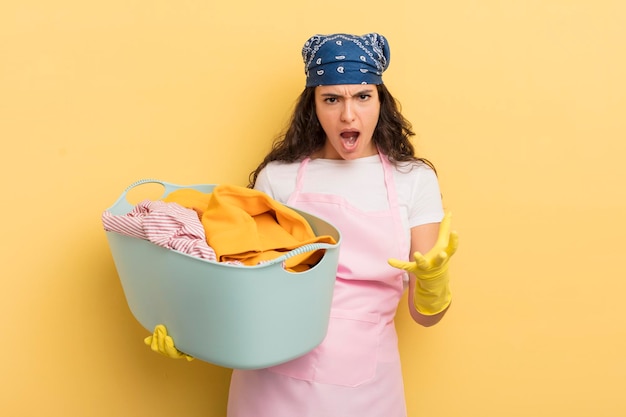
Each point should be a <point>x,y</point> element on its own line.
<point>425,205</point>
<point>263,183</point>
<point>277,180</point>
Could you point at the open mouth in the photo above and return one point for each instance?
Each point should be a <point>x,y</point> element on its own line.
<point>350,138</point>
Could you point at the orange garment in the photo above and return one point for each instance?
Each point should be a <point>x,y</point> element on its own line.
<point>249,226</point>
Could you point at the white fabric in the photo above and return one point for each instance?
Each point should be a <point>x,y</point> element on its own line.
<point>361,182</point>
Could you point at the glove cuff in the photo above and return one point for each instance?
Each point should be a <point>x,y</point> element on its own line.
<point>432,296</point>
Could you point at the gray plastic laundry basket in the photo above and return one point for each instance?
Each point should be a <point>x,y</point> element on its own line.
<point>244,317</point>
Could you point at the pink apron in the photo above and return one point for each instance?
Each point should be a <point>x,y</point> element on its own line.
<point>356,370</point>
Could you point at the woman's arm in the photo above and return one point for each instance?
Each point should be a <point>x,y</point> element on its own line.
<point>423,239</point>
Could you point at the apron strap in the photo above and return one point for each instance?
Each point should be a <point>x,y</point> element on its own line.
<point>299,180</point>
<point>394,204</point>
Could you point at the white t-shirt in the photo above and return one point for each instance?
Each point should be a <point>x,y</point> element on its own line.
<point>361,182</point>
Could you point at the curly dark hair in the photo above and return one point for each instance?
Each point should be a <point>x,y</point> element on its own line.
<point>304,135</point>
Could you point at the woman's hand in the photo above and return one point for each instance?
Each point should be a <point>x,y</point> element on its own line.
<point>161,343</point>
<point>432,291</point>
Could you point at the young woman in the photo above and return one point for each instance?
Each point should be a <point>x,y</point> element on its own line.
<point>346,157</point>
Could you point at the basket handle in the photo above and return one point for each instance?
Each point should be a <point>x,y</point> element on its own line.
<point>122,206</point>
<point>298,251</point>
<point>169,187</point>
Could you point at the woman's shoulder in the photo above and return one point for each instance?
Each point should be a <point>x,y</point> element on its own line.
<point>277,179</point>
<point>279,171</point>
<point>414,170</point>
<point>416,177</point>
<point>279,166</point>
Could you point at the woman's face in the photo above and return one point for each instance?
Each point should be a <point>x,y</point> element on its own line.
<point>348,114</point>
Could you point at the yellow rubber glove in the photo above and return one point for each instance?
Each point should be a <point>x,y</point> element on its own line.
<point>432,290</point>
<point>161,343</point>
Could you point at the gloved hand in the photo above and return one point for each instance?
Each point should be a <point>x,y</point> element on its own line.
<point>432,290</point>
<point>161,343</point>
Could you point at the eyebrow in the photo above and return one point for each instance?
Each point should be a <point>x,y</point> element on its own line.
<point>358,93</point>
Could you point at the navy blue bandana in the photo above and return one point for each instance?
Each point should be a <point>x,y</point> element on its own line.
<point>345,59</point>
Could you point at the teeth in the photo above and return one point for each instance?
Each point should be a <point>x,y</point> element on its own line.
<point>350,137</point>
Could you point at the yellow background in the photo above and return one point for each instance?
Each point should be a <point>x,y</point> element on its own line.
<point>520,104</point>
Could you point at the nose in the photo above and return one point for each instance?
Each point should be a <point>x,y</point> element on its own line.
<point>347,112</point>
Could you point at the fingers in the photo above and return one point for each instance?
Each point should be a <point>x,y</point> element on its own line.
<point>453,243</point>
<point>170,350</point>
<point>161,343</point>
<point>437,260</point>
<point>426,263</point>
<point>420,263</point>
<point>447,240</point>
<point>157,340</point>
<point>153,342</point>
<point>396,263</point>
<point>443,236</point>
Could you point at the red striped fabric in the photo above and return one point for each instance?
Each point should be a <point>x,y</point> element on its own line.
<point>168,225</point>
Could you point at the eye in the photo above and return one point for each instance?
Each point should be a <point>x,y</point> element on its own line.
<point>364,97</point>
<point>330,100</point>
